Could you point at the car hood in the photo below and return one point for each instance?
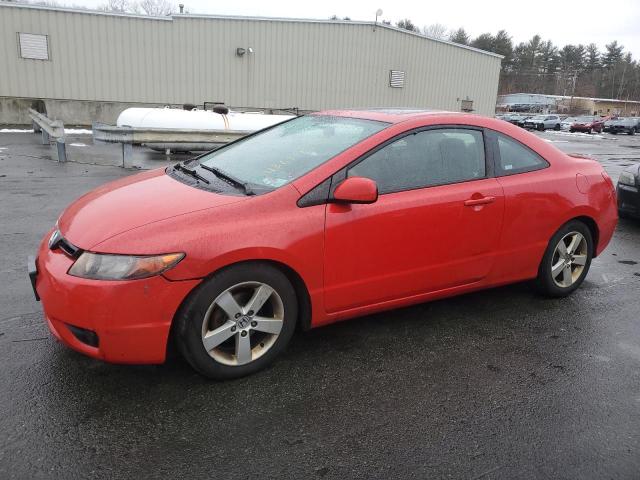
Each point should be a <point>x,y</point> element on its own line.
<point>132,202</point>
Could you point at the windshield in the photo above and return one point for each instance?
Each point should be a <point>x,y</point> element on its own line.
<point>283,153</point>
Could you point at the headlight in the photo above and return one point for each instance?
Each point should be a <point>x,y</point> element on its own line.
<point>98,266</point>
<point>627,178</point>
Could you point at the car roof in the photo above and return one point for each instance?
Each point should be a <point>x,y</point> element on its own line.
<point>390,115</point>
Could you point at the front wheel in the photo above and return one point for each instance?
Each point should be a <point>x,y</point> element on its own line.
<point>237,321</point>
<point>566,261</point>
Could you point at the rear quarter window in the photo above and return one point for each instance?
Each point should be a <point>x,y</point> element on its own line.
<point>514,157</point>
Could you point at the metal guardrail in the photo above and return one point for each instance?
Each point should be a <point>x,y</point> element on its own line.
<point>50,129</point>
<point>162,138</point>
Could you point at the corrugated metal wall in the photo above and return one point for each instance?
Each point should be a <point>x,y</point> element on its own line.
<point>192,59</point>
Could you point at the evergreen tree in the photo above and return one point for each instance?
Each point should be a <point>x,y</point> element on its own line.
<point>460,36</point>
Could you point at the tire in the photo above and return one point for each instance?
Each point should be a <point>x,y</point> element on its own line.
<point>541,127</point>
<point>590,131</point>
<point>632,131</point>
<point>201,316</point>
<point>571,130</point>
<point>554,283</point>
<point>557,127</point>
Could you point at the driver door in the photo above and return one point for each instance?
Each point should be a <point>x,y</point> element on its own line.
<point>435,225</point>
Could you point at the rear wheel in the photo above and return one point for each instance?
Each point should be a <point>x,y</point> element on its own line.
<point>632,131</point>
<point>557,127</point>
<point>566,261</point>
<point>236,322</point>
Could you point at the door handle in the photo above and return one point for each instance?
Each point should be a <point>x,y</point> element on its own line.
<point>473,202</point>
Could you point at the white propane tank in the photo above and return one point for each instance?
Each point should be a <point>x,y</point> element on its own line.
<point>173,118</point>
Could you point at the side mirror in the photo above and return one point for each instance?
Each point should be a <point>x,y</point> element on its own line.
<point>356,190</point>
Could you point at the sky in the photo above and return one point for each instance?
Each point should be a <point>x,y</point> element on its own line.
<point>562,21</point>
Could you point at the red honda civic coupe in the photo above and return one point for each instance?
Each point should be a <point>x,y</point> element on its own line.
<point>321,218</point>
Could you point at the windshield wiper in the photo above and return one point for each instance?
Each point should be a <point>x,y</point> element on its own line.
<point>188,171</point>
<point>232,180</point>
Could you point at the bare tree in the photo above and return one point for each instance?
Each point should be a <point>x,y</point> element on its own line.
<point>158,8</point>
<point>121,6</point>
<point>435,30</point>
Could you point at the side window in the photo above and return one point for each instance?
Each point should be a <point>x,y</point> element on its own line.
<point>516,158</point>
<point>423,159</point>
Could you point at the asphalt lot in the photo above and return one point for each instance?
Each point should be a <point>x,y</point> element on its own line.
<point>496,384</point>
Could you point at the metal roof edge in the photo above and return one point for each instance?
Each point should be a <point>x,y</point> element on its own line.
<point>342,22</point>
<point>84,11</point>
<point>249,18</point>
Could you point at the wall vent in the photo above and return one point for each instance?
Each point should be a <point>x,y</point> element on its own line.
<point>33,46</point>
<point>396,78</point>
<point>466,105</point>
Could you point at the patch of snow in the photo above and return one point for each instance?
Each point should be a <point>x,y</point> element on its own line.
<point>77,131</point>
<point>77,145</point>
<point>68,131</point>
<point>577,134</point>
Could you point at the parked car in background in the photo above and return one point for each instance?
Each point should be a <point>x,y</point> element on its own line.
<point>543,122</point>
<point>318,219</point>
<point>629,192</point>
<point>565,124</point>
<point>628,125</point>
<point>519,121</point>
<point>608,124</point>
<point>588,124</point>
<point>513,118</point>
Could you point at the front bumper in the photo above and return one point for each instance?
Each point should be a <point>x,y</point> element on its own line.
<point>115,321</point>
<point>628,200</point>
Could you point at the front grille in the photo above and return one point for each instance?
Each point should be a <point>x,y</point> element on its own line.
<point>68,248</point>
<point>58,241</point>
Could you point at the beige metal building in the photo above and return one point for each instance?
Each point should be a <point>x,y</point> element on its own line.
<point>90,65</point>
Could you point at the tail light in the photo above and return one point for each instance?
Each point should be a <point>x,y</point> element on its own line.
<point>609,182</point>
<point>607,179</point>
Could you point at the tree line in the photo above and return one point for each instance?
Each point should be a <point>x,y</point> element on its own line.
<point>539,66</point>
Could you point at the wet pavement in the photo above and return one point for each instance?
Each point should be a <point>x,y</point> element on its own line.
<point>495,384</point>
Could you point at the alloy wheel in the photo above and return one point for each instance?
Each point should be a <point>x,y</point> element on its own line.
<point>569,259</point>
<point>242,323</point>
